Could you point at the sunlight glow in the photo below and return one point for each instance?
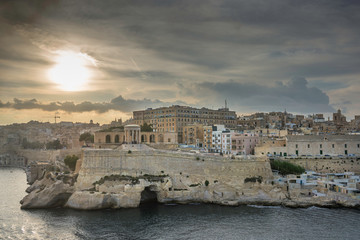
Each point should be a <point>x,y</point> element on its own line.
<point>71,73</point>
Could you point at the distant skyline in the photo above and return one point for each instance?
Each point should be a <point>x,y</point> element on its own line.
<point>101,60</point>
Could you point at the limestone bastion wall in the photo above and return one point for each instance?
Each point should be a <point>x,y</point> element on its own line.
<point>334,165</point>
<point>182,168</point>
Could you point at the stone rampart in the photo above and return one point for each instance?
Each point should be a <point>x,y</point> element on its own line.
<point>183,168</point>
<point>334,165</point>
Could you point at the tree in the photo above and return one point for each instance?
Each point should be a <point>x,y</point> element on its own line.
<point>87,137</point>
<point>286,168</point>
<point>54,145</point>
<point>31,145</point>
<point>146,127</point>
<point>70,161</point>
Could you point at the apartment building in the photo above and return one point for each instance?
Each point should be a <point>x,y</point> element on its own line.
<point>193,134</point>
<point>244,143</point>
<point>175,118</point>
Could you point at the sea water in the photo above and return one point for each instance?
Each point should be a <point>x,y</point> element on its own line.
<point>169,221</point>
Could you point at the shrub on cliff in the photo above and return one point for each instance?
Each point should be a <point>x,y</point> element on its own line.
<point>285,168</point>
<point>54,145</point>
<point>253,179</point>
<point>206,183</point>
<point>87,137</point>
<point>31,145</point>
<point>70,161</point>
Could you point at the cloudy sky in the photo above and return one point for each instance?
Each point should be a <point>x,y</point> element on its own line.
<point>101,60</point>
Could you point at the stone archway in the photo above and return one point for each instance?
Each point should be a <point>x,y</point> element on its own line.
<point>161,138</point>
<point>148,196</point>
<point>108,139</point>
<point>152,138</point>
<point>117,139</point>
<point>143,138</point>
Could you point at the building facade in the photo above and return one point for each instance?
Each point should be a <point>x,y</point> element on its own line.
<point>132,135</point>
<point>244,143</point>
<point>193,134</point>
<point>175,118</point>
<point>312,145</point>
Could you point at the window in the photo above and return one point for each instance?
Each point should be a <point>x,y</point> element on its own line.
<point>297,152</point>
<point>345,145</point>
<point>346,152</point>
<point>296,146</point>
<point>321,152</point>
<point>333,146</point>
<point>358,145</point>
<point>308,145</point>
<point>320,145</point>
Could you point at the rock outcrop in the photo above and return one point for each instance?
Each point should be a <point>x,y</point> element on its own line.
<point>51,191</point>
<point>119,191</point>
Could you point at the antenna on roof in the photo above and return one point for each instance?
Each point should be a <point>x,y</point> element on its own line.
<point>225,103</point>
<point>56,116</point>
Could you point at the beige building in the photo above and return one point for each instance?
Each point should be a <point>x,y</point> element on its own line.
<point>269,132</point>
<point>193,134</point>
<point>271,146</point>
<point>332,145</point>
<point>312,145</point>
<point>132,135</point>
<point>175,118</point>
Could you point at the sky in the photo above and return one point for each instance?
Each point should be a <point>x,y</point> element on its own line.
<point>101,60</point>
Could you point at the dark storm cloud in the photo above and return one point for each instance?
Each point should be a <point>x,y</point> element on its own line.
<point>24,11</point>
<point>216,35</point>
<point>118,104</point>
<point>294,95</point>
<point>259,43</point>
<point>326,85</point>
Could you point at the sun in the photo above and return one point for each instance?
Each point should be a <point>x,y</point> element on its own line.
<point>71,72</point>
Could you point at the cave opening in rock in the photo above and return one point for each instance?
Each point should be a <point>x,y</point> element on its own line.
<point>148,196</point>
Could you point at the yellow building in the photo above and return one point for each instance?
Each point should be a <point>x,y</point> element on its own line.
<point>207,142</point>
<point>132,135</point>
<point>193,134</point>
<point>175,118</point>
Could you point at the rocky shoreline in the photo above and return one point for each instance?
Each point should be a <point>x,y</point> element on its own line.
<point>58,190</point>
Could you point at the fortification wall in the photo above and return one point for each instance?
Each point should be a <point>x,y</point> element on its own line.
<point>39,155</point>
<point>47,155</point>
<point>329,165</point>
<point>183,168</point>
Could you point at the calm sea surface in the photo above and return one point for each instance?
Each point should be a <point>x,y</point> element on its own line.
<point>168,221</point>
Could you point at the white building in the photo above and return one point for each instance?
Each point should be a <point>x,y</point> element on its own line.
<point>226,141</point>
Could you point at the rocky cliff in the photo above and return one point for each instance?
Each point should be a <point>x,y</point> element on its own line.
<point>52,190</point>
<point>123,179</point>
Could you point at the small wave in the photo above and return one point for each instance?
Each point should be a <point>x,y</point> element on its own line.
<point>260,206</point>
<point>170,204</point>
<point>313,208</point>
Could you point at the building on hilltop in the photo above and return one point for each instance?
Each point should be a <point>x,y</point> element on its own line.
<point>244,143</point>
<point>311,145</point>
<point>131,134</point>
<point>193,134</point>
<point>175,118</point>
<point>338,118</point>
